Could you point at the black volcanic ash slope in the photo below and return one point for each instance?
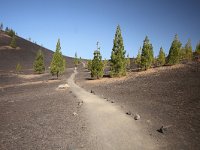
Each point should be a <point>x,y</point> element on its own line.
<point>24,54</point>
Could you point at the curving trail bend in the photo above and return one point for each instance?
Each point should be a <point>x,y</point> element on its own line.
<point>111,129</point>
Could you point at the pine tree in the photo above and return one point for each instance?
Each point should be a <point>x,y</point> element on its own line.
<point>97,65</point>
<point>76,60</point>
<point>161,57</point>
<point>138,58</point>
<point>198,49</point>
<point>147,54</point>
<point>188,50</point>
<point>174,52</point>
<point>58,62</point>
<point>13,42</point>
<point>39,66</point>
<point>118,60</point>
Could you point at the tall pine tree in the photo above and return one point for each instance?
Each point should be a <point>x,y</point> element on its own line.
<point>118,60</point>
<point>39,66</point>
<point>161,57</point>
<point>147,54</point>
<point>58,62</point>
<point>174,52</point>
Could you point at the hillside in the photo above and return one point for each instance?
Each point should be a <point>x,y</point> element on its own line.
<point>24,54</point>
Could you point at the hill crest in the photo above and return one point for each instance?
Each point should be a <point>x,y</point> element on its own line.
<point>24,53</point>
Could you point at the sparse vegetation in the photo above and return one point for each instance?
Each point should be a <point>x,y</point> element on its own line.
<point>188,50</point>
<point>174,52</point>
<point>97,65</point>
<point>76,61</point>
<point>58,63</point>
<point>89,65</point>
<point>79,60</point>
<point>161,58</point>
<point>13,42</point>
<point>197,50</point>
<point>128,62</point>
<point>105,63</point>
<point>147,54</point>
<point>10,32</point>
<point>18,68</point>
<point>118,60</point>
<point>138,58</point>
<point>39,66</point>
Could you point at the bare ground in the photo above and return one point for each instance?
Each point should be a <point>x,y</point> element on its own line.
<point>37,116</point>
<point>110,128</point>
<point>166,96</point>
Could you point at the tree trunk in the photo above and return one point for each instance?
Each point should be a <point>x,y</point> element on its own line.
<point>57,75</point>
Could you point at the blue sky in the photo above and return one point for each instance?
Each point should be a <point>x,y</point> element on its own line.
<point>81,23</point>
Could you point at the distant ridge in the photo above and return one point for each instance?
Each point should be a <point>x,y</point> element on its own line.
<point>24,54</point>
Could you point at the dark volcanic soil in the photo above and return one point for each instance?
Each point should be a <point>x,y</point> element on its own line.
<point>168,96</point>
<point>37,116</point>
<point>24,54</point>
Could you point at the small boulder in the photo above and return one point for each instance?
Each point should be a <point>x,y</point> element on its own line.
<point>164,129</point>
<point>63,86</point>
<point>80,103</point>
<point>137,117</point>
<point>128,113</point>
<point>92,92</point>
<point>75,114</point>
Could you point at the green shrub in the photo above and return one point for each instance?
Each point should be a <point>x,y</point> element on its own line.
<point>39,66</point>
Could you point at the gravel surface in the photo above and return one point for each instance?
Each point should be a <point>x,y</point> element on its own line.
<point>166,96</point>
<point>111,128</point>
<point>40,117</point>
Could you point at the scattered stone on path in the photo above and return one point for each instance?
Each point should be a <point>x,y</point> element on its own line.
<point>137,117</point>
<point>63,86</point>
<point>164,129</point>
<point>128,113</point>
<point>80,103</point>
<point>75,114</point>
<point>92,92</point>
<point>112,102</point>
<point>84,127</point>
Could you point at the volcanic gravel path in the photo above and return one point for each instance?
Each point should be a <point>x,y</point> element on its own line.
<point>110,127</point>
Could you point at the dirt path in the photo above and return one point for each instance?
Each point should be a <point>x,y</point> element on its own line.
<point>110,127</point>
